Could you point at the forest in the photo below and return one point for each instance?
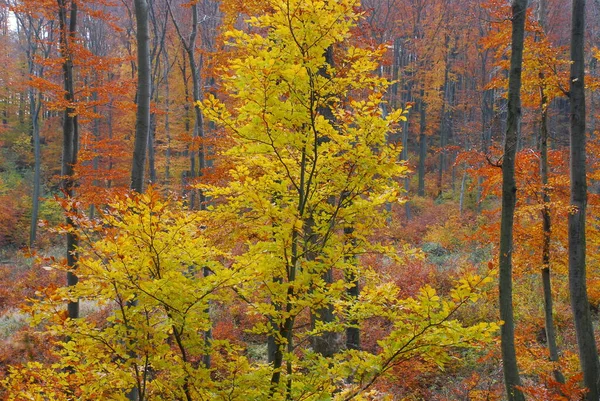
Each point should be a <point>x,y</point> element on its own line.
<point>299,200</point>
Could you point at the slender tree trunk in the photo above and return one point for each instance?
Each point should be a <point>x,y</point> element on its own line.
<point>142,125</point>
<point>444,120</point>
<point>167,123</point>
<point>588,354</point>
<point>404,156</point>
<point>547,230</point>
<point>109,124</point>
<point>461,202</point>
<point>422,148</point>
<point>37,157</point>
<point>189,46</point>
<point>199,118</point>
<point>35,105</point>
<point>546,217</point>
<point>353,332</point>
<point>151,145</point>
<point>96,160</point>
<point>509,196</point>
<point>21,112</point>
<point>68,26</point>
<point>326,343</point>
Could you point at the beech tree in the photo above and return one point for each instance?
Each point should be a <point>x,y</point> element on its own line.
<point>588,353</point>
<point>302,176</point>
<point>67,20</point>
<point>509,197</point>
<point>35,28</point>
<point>142,125</point>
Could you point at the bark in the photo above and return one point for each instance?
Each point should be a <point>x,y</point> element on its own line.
<point>325,344</point>
<point>167,126</point>
<point>142,125</point>
<point>109,124</point>
<point>67,28</point>
<point>444,119</point>
<point>588,354</point>
<point>159,29</point>
<point>352,332</point>
<point>404,156</point>
<point>509,196</point>
<point>547,230</point>
<point>189,46</point>
<point>461,202</point>
<point>546,218</point>
<point>151,150</point>
<point>35,104</point>
<point>96,160</point>
<point>422,148</point>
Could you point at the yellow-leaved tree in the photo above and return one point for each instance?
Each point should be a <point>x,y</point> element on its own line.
<point>313,171</point>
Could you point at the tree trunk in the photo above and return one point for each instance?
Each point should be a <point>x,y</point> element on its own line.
<point>68,26</point>
<point>422,148</point>
<point>96,160</point>
<point>461,202</point>
<point>404,156</point>
<point>352,332</point>
<point>35,105</point>
<point>546,218</point>
<point>189,46</point>
<point>151,144</point>
<point>588,354</point>
<point>142,125</point>
<point>444,119</point>
<point>509,196</point>
<point>167,126</point>
<point>325,344</point>
<point>547,230</point>
<point>37,157</point>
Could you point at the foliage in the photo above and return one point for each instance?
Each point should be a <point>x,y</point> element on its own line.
<point>313,171</point>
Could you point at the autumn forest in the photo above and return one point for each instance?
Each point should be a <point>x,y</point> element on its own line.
<point>299,200</point>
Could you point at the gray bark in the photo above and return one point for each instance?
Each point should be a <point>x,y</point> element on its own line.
<point>547,232</point>
<point>32,33</point>
<point>353,331</point>
<point>546,217</point>
<point>189,46</point>
<point>67,27</point>
<point>142,125</point>
<point>422,148</point>
<point>509,196</point>
<point>588,354</point>
<point>326,343</point>
<point>461,202</point>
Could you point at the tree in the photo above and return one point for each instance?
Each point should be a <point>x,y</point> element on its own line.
<point>34,28</point>
<point>300,177</point>
<point>142,125</point>
<point>588,354</point>
<point>67,20</point>
<point>509,197</point>
<point>546,216</point>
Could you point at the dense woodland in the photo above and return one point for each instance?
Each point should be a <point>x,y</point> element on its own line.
<point>299,200</point>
